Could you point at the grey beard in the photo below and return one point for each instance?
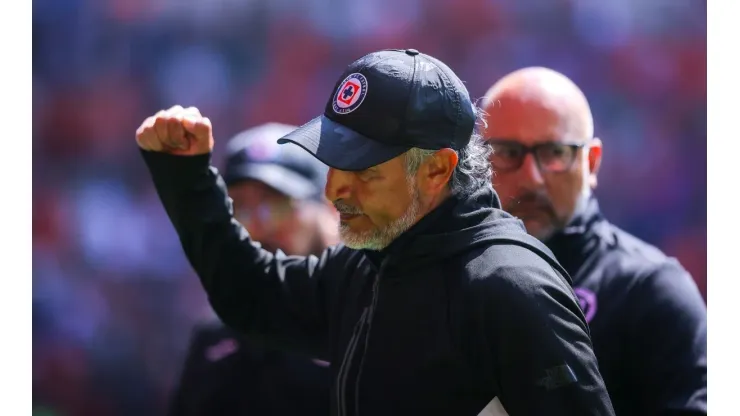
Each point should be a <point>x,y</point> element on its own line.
<point>380,238</point>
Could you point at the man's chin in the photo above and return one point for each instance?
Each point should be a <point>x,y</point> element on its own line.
<point>358,240</point>
<point>539,229</point>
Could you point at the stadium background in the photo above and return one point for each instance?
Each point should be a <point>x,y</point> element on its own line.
<point>114,298</point>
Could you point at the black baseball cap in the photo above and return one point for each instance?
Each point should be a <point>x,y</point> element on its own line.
<point>384,104</point>
<point>255,155</point>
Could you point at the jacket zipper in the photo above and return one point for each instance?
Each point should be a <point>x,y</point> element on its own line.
<point>347,363</point>
<point>344,370</point>
<point>370,315</point>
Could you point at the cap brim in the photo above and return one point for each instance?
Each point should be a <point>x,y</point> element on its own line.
<point>340,147</point>
<point>277,177</point>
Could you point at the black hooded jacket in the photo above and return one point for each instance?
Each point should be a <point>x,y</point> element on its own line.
<point>648,320</point>
<point>463,308</point>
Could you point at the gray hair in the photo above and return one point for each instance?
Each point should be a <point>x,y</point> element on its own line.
<point>473,168</point>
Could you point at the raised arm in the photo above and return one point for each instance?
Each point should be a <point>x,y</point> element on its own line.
<point>285,299</point>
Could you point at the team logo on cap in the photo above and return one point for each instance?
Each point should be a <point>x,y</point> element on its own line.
<point>351,93</point>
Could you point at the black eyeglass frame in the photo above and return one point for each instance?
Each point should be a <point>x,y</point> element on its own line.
<point>525,150</point>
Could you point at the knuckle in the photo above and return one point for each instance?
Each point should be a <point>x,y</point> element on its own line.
<point>145,128</point>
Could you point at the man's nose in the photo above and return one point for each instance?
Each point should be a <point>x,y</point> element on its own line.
<point>529,174</point>
<point>338,185</point>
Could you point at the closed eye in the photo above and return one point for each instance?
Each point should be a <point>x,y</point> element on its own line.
<point>367,174</point>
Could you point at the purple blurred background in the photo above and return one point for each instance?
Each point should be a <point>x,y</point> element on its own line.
<point>113,296</point>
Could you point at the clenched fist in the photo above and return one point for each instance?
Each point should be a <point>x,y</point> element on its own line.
<point>179,131</point>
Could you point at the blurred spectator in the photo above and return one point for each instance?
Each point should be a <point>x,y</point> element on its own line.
<point>278,194</point>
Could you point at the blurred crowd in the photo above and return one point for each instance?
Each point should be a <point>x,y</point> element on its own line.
<point>114,299</point>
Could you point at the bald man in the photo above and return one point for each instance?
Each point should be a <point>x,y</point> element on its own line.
<point>648,321</point>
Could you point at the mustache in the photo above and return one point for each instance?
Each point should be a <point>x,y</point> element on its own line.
<point>531,200</point>
<point>344,208</point>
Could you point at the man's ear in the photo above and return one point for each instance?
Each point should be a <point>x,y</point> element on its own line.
<point>437,170</point>
<point>594,161</point>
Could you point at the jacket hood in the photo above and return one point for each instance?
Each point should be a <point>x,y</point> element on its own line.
<point>461,222</point>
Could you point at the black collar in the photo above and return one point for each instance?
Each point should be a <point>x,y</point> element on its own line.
<point>579,237</point>
<point>451,227</point>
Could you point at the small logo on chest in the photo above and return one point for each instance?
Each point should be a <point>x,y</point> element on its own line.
<point>587,300</point>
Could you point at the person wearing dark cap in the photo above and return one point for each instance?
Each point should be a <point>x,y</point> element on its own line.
<point>277,194</point>
<point>437,302</point>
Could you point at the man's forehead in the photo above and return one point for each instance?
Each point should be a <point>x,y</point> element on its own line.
<point>527,121</point>
<point>537,104</point>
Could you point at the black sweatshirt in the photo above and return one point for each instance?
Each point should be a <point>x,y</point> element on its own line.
<point>462,308</point>
<point>648,320</point>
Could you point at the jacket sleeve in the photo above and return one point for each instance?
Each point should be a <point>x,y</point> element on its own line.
<point>286,300</point>
<point>667,333</point>
<point>540,352</point>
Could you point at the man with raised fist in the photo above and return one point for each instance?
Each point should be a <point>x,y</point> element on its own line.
<point>438,302</point>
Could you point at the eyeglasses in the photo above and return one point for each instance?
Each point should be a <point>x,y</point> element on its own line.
<point>555,157</point>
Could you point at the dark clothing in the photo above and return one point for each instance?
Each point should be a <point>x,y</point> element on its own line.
<point>648,320</point>
<point>226,374</point>
<point>462,308</point>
